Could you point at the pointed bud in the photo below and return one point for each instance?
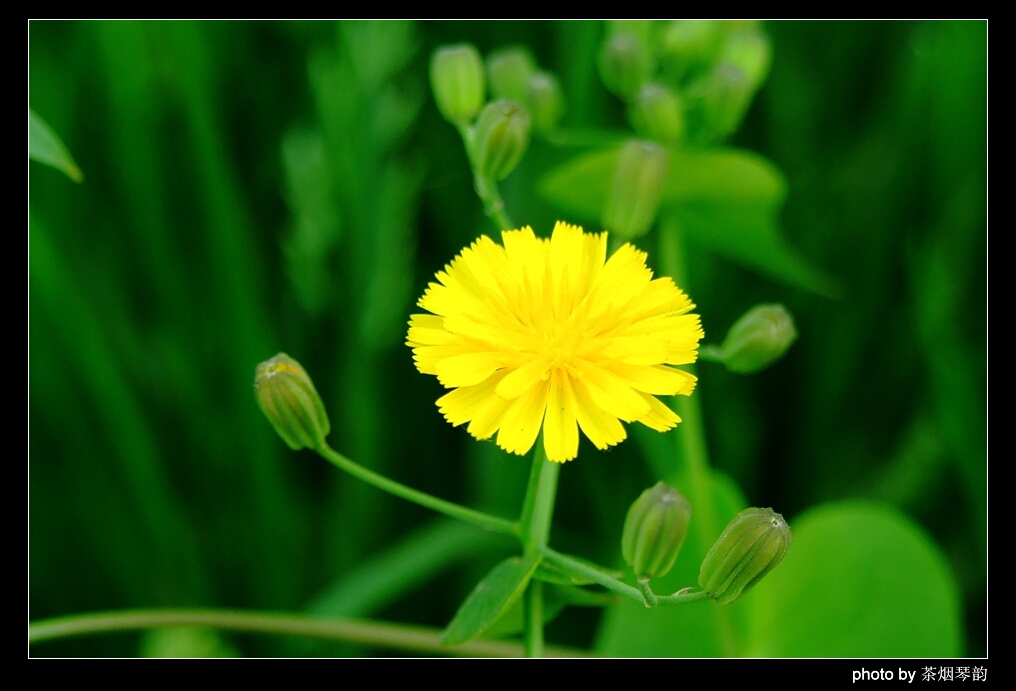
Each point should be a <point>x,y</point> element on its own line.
<point>510,70</point>
<point>687,45</point>
<point>726,94</point>
<point>546,102</point>
<point>758,339</point>
<point>657,114</point>
<point>456,76</point>
<point>501,137</point>
<point>289,400</point>
<point>748,49</point>
<point>654,531</point>
<point>633,197</point>
<point>625,65</point>
<point>751,546</point>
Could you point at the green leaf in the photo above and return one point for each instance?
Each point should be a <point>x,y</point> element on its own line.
<point>724,200</point>
<point>44,146</point>
<point>860,580</point>
<point>491,599</point>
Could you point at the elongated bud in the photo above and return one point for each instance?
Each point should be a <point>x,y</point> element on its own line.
<point>289,400</point>
<point>509,71</point>
<point>545,102</point>
<point>758,339</point>
<point>748,49</point>
<point>750,547</point>
<point>456,76</point>
<point>657,114</point>
<point>727,95</point>
<point>687,45</point>
<point>625,65</point>
<point>502,135</point>
<point>633,197</point>
<point>654,531</point>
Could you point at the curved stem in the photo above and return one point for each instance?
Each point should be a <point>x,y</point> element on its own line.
<point>371,633</point>
<point>477,518</point>
<point>486,188</point>
<point>594,575</point>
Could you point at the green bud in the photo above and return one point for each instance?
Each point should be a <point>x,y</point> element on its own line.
<point>654,531</point>
<point>545,102</point>
<point>687,45</point>
<point>501,137</point>
<point>289,400</point>
<point>656,113</point>
<point>758,339</point>
<point>456,76</point>
<point>750,547</point>
<point>633,197</point>
<point>625,65</point>
<point>748,49</point>
<point>726,94</point>
<point>510,70</point>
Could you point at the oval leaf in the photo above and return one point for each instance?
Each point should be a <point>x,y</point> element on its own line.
<point>490,599</point>
<point>860,580</point>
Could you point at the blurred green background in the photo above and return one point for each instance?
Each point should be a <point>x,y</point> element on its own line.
<point>255,187</point>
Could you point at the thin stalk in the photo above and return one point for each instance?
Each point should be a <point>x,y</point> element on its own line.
<point>691,435</point>
<point>533,636</point>
<point>477,518</point>
<point>486,188</point>
<point>537,510</point>
<point>417,639</point>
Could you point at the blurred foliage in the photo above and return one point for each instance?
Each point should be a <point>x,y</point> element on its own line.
<point>256,187</point>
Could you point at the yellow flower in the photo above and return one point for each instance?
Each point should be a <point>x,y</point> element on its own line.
<point>549,332</point>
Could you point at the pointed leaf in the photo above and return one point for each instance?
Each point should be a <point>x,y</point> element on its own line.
<point>491,599</point>
<point>44,146</point>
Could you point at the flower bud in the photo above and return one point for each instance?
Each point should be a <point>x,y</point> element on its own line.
<point>748,49</point>
<point>750,547</point>
<point>289,400</point>
<point>545,102</point>
<point>655,530</point>
<point>687,45</point>
<point>758,339</point>
<point>625,65</point>
<point>501,137</point>
<point>727,94</point>
<point>633,197</point>
<point>456,76</point>
<point>656,113</point>
<point>510,70</point>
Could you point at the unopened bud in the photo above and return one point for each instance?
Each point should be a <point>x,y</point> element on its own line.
<point>750,547</point>
<point>654,531</point>
<point>545,102</point>
<point>502,135</point>
<point>657,114</point>
<point>625,65</point>
<point>289,400</point>
<point>758,339</point>
<point>687,45</point>
<point>456,76</point>
<point>633,197</point>
<point>509,71</point>
<point>727,94</point>
<point>749,50</point>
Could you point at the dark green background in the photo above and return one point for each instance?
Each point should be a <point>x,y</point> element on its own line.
<point>254,187</point>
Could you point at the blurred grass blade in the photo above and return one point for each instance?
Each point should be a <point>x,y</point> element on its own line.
<point>491,599</point>
<point>45,147</point>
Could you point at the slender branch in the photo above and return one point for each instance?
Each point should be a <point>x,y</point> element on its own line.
<point>417,639</point>
<point>477,518</point>
<point>594,575</point>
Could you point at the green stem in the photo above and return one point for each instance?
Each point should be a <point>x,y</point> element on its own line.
<point>537,510</point>
<point>533,638</point>
<point>477,518</point>
<point>364,632</point>
<point>691,435</point>
<point>594,575</point>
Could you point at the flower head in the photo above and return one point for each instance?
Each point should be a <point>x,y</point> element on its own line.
<point>551,333</point>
